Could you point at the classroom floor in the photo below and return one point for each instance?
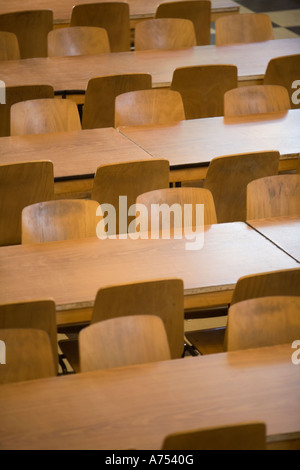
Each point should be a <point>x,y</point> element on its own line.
<point>285,15</point>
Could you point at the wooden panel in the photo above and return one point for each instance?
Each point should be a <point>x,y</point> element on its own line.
<point>273,196</point>
<point>22,184</point>
<point>29,355</point>
<point>245,28</point>
<point>148,107</point>
<point>165,33</point>
<point>123,341</point>
<point>255,100</point>
<point>285,71</point>
<point>112,16</point>
<point>79,40</point>
<point>199,12</point>
<point>9,46</point>
<point>31,29</point>
<point>141,414</point>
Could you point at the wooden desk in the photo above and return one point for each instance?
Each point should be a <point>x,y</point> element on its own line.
<point>191,145</point>
<point>135,407</point>
<point>73,73</point>
<point>76,155</point>
<point>282,231</point>
<point>139,9</point>
<point>72,272</point>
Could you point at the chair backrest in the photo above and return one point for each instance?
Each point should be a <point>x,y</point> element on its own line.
<point>123,341</point>
<point>273,196</point>
<point>112,16</point>
<point>22,184</point>
<point>31,29</point>
<point>261,322</point>
<point>15,94</point>
<point>28,355</point>
<point>242,436</point>
<point>9,46</point>
<point>256,99</point>
<point>182,203</point>
<point>155,106</point>
<point>128,180</point>
<point>44,116</point>
<point>164,33</point>
<point>274,283</point>
<point>78,40</point>
<point>160,297</point>
<point>243,28</point>
<point>285,71</point>
<point>59,220</point>
<point>35,314</point>
<point>202,88</point>
<point>298,167</point>
<point>198,11</point>
<point>227,179</point>
<point>99,104</point>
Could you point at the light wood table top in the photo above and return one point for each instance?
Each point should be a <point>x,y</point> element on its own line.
<point>76,155</point>
<point>282,231</point>
<point>72,272</point>
<point>194,143</point>
<point>139,9</point>
<point>135,407</point>
<point>73,73</point>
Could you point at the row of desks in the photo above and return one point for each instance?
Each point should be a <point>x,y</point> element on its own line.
<point>73,73</point>
<point>139,9</point>
<point>134,408</point>
<point>72,272</point>
<point>188,145</point>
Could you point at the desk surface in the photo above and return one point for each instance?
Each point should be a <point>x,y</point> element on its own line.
<point>135,407</point>
<point>73,73</point>
<point>138,8</point>
<point>282,231</point>
<point>71,272</point>
<point>74,154</point>
<point>198,141</point>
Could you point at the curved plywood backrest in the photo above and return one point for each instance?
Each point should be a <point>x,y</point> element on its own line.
<point>164,33</point>
<point>9,46</point>
<point>243,28</point>
<point>78,40</point>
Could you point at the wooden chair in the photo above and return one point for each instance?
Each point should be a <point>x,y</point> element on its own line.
<point>44,116</point>
<point>198,11</point>
<point>22,361</point>
<point>15,94</point>
<point>59,220</point>
<point>34,314</point>
<point>284,71</point>
<point>112,16</point>
<point>22,184</point>
<point>128,179</point>
<point>243,436</point>
<point>298,167</point>
<point>162,297</point>
<point>227,179</point>
<point>164,33</point>
<point>262,322</point>
<point>78,40</point>
<point>155,216</point>
<point>123,341</point>
<point>99,104</point>
<point>273,196</point>
<point>275,283</point>
<point>9,46</point>
<point>244,28</point>
<point>256,99</point>
<point>156,106</point>
<point>31,29</point>
<point>202,88</point>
